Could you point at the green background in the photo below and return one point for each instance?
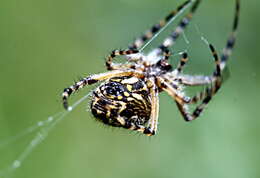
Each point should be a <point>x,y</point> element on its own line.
<point>46,45</point>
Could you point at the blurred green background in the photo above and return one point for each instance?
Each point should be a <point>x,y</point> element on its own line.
<point>46,45</point>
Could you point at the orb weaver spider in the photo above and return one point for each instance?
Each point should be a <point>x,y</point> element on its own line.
<point>129,96</point>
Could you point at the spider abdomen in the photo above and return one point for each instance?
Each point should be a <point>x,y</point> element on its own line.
<point>122,102</point>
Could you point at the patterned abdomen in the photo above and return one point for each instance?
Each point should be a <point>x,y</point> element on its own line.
<point>122,101</point>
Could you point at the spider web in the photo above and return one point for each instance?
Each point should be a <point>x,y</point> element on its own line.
<point>45,126</point>
<point>163,28</point>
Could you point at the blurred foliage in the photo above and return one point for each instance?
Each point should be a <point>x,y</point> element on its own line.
<point>46,45</point>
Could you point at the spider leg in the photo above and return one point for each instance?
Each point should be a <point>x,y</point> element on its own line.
<point>153,121</point>
<point>182,62</point>
<point>199,79</point>
<point>208,94</point>
<point>139,42</point>
<point>205,96</point>
<point>109,60</point>
<point>169,41</point>
<point>183,101</point>
<point>173,90</point>
<point>232,38</point>
<point>151,127</point>
<point>171,87</point>
<point>164,65</point>
<point>195,80</point>
<point>94,79</point>
<point>221,63</point>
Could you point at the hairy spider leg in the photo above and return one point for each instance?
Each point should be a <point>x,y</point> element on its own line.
<point>153,122</point>
<point>202,80</point>
<point>139,42</point>
<point>149,34</point>
<point>171,39</point>
<point>205,96</point>
<point>109,60</point>
<point>232,38</point>
<point>182,63</point>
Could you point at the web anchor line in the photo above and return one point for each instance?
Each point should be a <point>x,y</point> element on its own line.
<point>168,23</point>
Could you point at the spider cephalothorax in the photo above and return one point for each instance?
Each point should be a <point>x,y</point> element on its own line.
<point>129,96</point>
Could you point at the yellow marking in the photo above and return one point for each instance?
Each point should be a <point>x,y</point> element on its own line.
<point>119,97</point>
<point>129,87</point>
<point>149,84</point>
<point>162,23</point>
<point>141,130</point>
<point>112,107</point>
<point>132,127</point>
<point>99,112</point>
<point>126,94</point>
<point>130,99</point>
<point>149,135</point>
<point>131,80</point>
<point>95,100</point>
<point>144,88</point>
<point>116,80</point>
<point>137,96</point>
<point>117,52</point>
<point>149,34</point>
<point>121,120</point>
<point>122,107</point>
<point>108,114</point>
<point>111,97</point>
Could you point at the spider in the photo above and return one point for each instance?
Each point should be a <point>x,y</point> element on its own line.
<point>128,98</point>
